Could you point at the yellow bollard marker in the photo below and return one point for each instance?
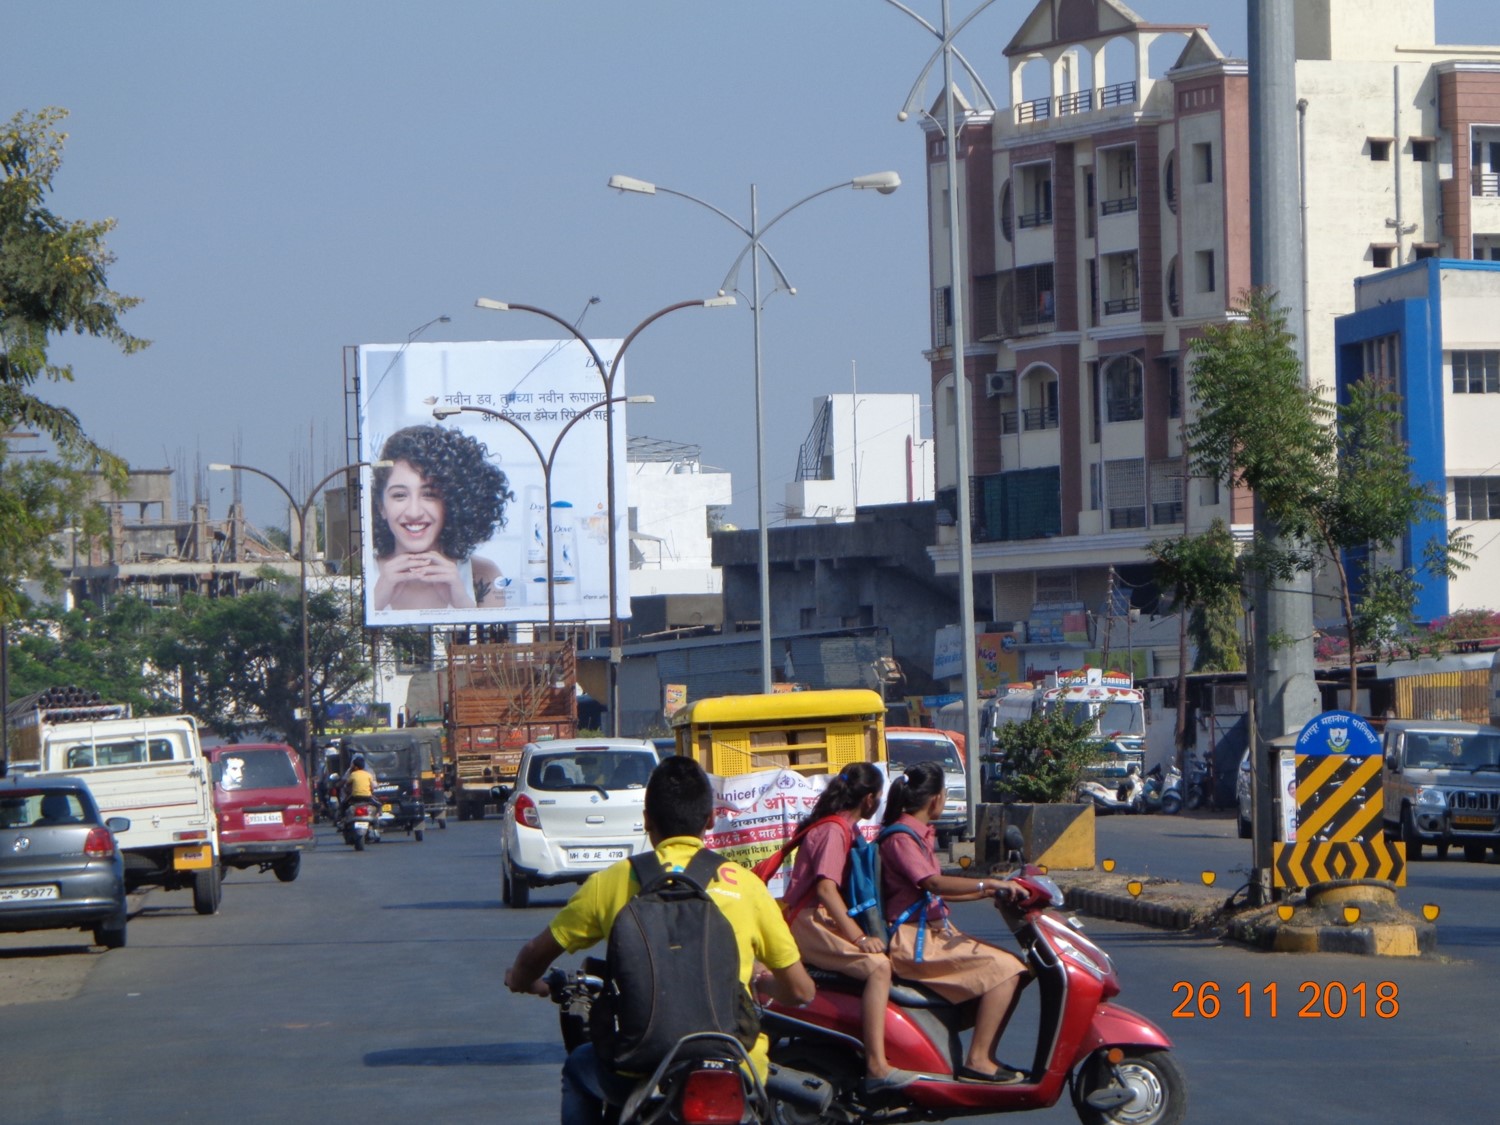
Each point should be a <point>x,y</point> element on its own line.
<point>1285,912</point>
<point>1351,914</point>
<point>1134,887</point>
<point>1430,911</point>
<point>1209,877</point>
<point>1107,864</point>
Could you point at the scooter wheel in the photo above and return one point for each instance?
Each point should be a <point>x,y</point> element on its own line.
<point>1145,1088</point>
<point>359,843</point>
<point>1171,805</point>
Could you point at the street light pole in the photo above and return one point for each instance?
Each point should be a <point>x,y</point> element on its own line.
<point>608,375</point>
<point>884,183</point>
<point>302,512</point>
<point>546,459</point>
<point>962,420</point>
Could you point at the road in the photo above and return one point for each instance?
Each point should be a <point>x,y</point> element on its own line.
<point>371,987</point>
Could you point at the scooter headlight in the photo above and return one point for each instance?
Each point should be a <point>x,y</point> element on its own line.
<point>1090,960</point>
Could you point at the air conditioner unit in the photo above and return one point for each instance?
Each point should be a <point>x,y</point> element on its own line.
<point>998,383</point>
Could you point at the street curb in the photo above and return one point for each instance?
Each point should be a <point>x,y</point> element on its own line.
<point>1129,908</point>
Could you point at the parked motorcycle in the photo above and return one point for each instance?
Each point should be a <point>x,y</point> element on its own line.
<point>1196,785</point>
<point>706,1079</point>
<point>1163,793</point>
<point>1115,1063</point>
<point>359,822</point>
<point>1129,796</point>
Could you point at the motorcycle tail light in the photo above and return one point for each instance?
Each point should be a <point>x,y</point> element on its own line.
<point>527,813</point>
<point>100,843</point>
<point>712,1097</point>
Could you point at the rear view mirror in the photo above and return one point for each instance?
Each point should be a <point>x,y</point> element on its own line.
<point>501,793</point>
<point>1393,762</point>
<point>118,824</point>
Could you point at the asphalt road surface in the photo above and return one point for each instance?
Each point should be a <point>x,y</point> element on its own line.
<point>371,989</point>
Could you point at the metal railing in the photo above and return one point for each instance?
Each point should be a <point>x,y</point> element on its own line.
<point>1034,219</point>
<point>1487,183</point>
<point>1038,109</point>
<point>1121,93</point>
<point>1122,305</point>
<point>1080,102</point>
<point>1116,206</point>
<point>1039,418</point>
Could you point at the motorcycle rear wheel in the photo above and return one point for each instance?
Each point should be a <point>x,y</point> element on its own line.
<point>1156,1082</point>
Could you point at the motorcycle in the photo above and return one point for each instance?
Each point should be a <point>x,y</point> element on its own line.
<point>1114,1063</point>
<point>1127,797</point>
<point>1197,785</point>
<point>1163,794</point>
<point>359,822</point>
<point>706,1079</point>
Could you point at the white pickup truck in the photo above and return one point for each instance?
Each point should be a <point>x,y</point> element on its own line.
<point>153,771</point>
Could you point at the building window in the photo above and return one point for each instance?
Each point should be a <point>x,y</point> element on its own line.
<point>1123,398</point>
<point>1380,359</point>
<point>942,316</point>
<point>1203,164</point>
<point>1007,225</point>
<point>1174,289</point>
<point>1382,255</point>
<point>1166,492</point>
<point>1036,196</point>
<point>1094,487</point>
<point>1206,280</point>
<point>1380,148</point>
<point>1119,181</point>
<point>1174,391</point>
<point>1041,393</point>
<point>1125,488</point>
<point>1422,149</point>
<point>1476,498</point>
<point>1054,587</point>
<point>1420,250</point>
<point>986,307</point>
<point>1122,279</point>
<point>1475,373</point>
<point>1034,296</point>
<point>1169,180</point>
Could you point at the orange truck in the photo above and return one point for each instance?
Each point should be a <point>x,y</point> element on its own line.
<point>496,698</point>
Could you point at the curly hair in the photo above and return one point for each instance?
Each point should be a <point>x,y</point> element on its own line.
<point>474,491</point>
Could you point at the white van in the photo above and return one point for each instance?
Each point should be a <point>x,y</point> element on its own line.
<point>906,746</point>
<point>1441,786</point>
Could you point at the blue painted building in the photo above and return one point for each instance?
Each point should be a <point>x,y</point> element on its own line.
<point>1433,327</point>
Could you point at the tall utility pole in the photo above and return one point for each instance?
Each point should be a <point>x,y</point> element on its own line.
<point>1286,693</point>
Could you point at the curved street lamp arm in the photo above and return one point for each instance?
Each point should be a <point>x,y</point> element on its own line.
<point>731,279</point>
<point>577,335</point>
<point>520,429</point>
<point>609,379</point>
<point>290,499</point>
<point>573,421</point>
<point>725,215</point>
<point>912,99</point>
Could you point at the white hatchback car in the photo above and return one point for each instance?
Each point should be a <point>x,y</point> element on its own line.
<point>577,806</point>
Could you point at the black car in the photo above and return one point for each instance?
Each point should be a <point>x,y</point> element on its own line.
<point>408,769</point>
<point>60,865</point>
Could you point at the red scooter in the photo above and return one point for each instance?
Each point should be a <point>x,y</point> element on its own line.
<point>1114,1062</point>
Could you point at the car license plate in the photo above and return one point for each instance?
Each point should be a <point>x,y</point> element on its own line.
<point>193,858</point>
<point>27,894</point>
<point>1473,821</point>
<point>385,808</point>
<point>263,817</point>
<point>597,855</point>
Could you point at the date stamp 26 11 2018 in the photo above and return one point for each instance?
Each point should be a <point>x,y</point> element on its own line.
<point>1314,1000</point>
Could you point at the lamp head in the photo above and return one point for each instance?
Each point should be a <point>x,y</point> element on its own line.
<point>630,183</point>
<point>721,301</point>
<point>883,182</point>
<point>216,467</point>
<point>491,303</point>
<point>441,412</point>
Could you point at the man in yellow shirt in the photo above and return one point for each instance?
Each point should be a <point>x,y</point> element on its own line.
<point>358,782</point>
<point>679,809</point>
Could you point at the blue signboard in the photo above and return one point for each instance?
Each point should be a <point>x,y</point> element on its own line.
<point>1338,732</point>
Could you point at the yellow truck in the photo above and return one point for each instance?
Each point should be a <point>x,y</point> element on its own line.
<point>811,732</point>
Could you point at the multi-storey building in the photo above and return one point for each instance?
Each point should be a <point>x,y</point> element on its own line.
<point>1106,222</point>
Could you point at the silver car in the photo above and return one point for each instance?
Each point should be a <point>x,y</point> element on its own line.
<point>578,805</point>
<point>60,865</point>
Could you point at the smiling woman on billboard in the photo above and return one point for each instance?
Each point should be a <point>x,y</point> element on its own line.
<point>438,500</point>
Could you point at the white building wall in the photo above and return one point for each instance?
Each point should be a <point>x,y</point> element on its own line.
<point>671,550</point>
<point>877,455</point>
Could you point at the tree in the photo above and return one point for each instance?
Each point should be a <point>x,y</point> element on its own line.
<point>105,651</point>
<point>240,659</point>
<point>1204,575</point>
<point>1335,480</point>
<point>1045,756</point>
<point>53,279</point>
<point>39,499</point>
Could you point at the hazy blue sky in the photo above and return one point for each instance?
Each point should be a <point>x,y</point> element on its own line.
<point>293,177</point>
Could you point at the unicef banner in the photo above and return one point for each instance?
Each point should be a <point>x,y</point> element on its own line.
<point>456,527</point>
<point>755,813</point>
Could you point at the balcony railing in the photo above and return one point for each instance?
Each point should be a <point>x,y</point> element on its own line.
<point>1121,93</point>
<point>1487,183</point>
<point>1038,109</point>
<point>1034,219</point>
<point>1116,206</point>
<point>1039,418</point>
<point>1122,305</point>
<point>1080,102</point>
<point>1009,423</point>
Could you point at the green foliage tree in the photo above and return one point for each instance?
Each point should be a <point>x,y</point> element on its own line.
<point>108,651</point>
<point>53,280</point>
<point>1203,573</point>
<point>1335,481</point>
<point>41,500</point>
<point>1045,756</point>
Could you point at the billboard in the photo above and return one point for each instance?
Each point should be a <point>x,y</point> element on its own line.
<point>457,526</point>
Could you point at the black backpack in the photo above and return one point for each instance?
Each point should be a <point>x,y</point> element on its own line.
<point>672,968</point>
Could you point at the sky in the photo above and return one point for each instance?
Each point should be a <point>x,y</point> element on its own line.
<point>290,178</point>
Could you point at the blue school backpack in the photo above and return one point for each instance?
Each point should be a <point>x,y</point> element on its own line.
<point>917,910</point>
